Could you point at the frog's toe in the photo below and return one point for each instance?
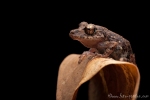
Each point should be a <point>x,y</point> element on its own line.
<point>84,55</point>
<point>123,59</point>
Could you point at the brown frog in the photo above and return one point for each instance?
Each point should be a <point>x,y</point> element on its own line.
<point>102,43</point>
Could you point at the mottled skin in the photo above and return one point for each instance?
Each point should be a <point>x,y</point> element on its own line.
<point>102,43</point>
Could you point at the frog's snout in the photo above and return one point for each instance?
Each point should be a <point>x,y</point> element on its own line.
<point>74,31</point>
<point>74,34</point>
<point>71,32</point>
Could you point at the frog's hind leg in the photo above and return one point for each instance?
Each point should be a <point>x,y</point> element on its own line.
<point>131,59</point>
<point>124,57</point>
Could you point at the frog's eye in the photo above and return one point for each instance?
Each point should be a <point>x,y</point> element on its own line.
<point>90,29</point>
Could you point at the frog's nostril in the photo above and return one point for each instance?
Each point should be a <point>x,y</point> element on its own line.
<point>71,32</point>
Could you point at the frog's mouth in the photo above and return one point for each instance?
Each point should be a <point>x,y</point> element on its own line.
<point>89,41</point>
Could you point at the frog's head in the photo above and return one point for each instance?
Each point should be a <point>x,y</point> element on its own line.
<point>88,34</point>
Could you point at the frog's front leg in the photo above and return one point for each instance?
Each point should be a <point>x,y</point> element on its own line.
<point>85,54</point>
<point>91,52</point>
<point>106,47</point>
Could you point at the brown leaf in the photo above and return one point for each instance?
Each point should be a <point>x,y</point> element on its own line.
<point>109,79</point>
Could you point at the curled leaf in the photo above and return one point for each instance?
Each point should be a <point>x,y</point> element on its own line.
<point>109,79</point>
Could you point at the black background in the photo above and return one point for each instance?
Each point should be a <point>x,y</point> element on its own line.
<point>44,30</point>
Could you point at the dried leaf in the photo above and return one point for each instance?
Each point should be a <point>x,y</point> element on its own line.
<point>109,79</point>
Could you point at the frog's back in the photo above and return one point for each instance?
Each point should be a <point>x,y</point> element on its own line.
<point>112,36</point>
<point>123,48</point>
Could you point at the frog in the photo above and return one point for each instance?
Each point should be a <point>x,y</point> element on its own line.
<point>102,42</point>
